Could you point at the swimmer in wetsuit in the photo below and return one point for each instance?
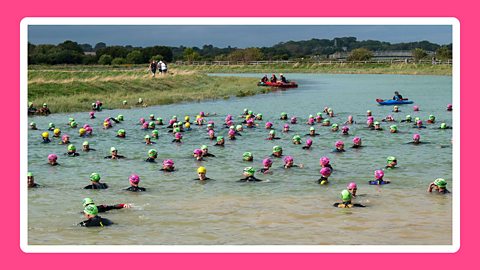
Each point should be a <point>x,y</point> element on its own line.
<point>439,185</point>
<point>148,140</point>
<point>352,188</point>
<point>93,219</point>
<point>155,134</point>
<point>379,178</point>
<point>168,166</point>
<point>56,133</point>
<point>159,121</point>
<point>52,160</point>
<point>204,149</point>
<point>65,139</point>
<point>268,125</point>
<point>202,174</point>
<point>296,139</point>
<point>231,134</point>
<point>345,130</point>
<point>104,208</point>
<point>277,151</point>
<point>220,141</point>
<point>325,173</point>
<point>416,139</point>
<point>293,120</point>
<point>334,128</point>
<point>114,154</point>
<point>45,138</point>
<point>178,138</point>
<point>419,124</point>
<point>311,132</point>
<point>95,182</point>
<point>249,172</point>
<point>326,122</point>
<point>347,200</point>
<point>357,142</point>
<point>33,126</point>
<point>121,133</point>
<point>72,151</point>
<point>391,162</point>
<point>431,119</point>
<point>134,180</point>
<point>339,147</point>
<point>152,155</point>
<point>51,126</point>
<point>288,163</point>
<point>31,181</point>
<point>271,136</point>
<point>376,126</point>
<point>247,156</point>
<point>283,116</point>
<point>267,164</point>
<point>444,126</point>
<point>393,129</point>
<point>308,144</point>
<point>286,128</point>
<point>198,154</point>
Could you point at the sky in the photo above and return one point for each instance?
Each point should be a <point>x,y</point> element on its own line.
<point>240,36</point>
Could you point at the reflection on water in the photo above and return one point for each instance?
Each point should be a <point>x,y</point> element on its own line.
<point>289,209</point>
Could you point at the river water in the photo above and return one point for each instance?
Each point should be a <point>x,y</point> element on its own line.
<point>288,209</point>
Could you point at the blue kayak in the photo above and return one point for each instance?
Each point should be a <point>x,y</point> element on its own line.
<point>393,102</point>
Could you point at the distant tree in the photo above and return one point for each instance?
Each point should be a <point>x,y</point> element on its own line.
<point>418,54</point>
<point>189,54</point>
<point>89,60</point>
<point>444,53</point>
<point>135,57</point>
<point>99,45</point>
<point>157,57</point>
<point>119,61</point>
<point>69,45</point>
<point>86,47</point>
<point>105,59</point>
<point>360,54</point>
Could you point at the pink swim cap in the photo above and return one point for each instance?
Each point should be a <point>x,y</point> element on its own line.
<point>419,122</point>
<point>229,117</point>
<point>211,131</point>
<point>92,113</point>
<point>52,157</point>
<point>309,142</point>
<point>350,118</point>
<point>170,122</point>
<point>267,162</point>
<point>370,121</point>
<point>357,140</point>
<point>338,143</point>
<point>311,120</point>
<point>352,185</point>
<point>379,174</point>
<point>288,159</point>
<point>231,132</point>
<point>145,125</point>
<point>250,121</point>
<point>86,126</point>
<point>134,179</point>
<point>324,161</point>
<point>345,128</point>
<point>201,114</point>
<point>168,162</point>
<point>89,129</point>
<point>415,108</point>
<point>65,136</point>
<point>370,117</point>
<point>326,171</point>
<point>178,135</point>
<point>286,126</point>
<point>416,136</point>
<point>142,120</point>
<point>449,106</point>
<point>268,124</point>
<point>197,152</point>
<point>229,123</point>
<point>293,120</point>
<point>211,122</point>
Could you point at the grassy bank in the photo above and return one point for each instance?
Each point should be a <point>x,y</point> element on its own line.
<point>334,68</point>
<point>71,89</point>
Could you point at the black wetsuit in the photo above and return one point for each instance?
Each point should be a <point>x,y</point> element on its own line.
<point>322,179</point>
<point>206,178</point>
<point>176,141</point>
<point>264,170</point>
<point>378,182</point>
<point>96,221</point>
<point>328,166</point>
<point>208,155</point>
<point>97,186</point>
<point>356,146</point>
<point>222,145</point>
<point>338,150</point>
<point>150,160</point>
<point>135,189</point>
<point>117,157</point>
<point>34,186</point>
<point>105,208</point>
<point>272,155</point>
<point>167,170</point>
<point>250,179</point>
<point>274,138</point>
<point>47,140</point>
<point>306,147</point>
<point>89,149</point>
<point>75,154</point>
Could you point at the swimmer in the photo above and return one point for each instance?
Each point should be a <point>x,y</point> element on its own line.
<point>33,126</point>
<point>419,124</point>
<point>376,126</point>
<point>155,134</point>
<point>202,174</point>
<point>152,155</point>
<point>31,181</point>
<point>121,133</point>
<point>319,118</point>
<point>72,151</point>
<point>268,125</point>
<point>357,142</point>
<point>277,151</point>
<point>330,112</point>
<point>293,120</point>
<point>283,116</point>
<point>51,126</point>
<point>211,135</point>
<point>288,163</point>
<point>325,173</point>
<point>431,119</point>
<point>151,117</point>
<point>444,126</point>
<point>369,113</point>
<point>186,119</point>
<point>107,124</point>
<point>286,128</point>
<point>345,130</point>
<point>205,152</point>
<point>82,132</point>
<point>57,132</point>
<point>370,122</point>
<point>311,120</point>
<point>352,188</point>
<point>231,134</point>
<point>95,182</point>
<point>439,185</point>
<point>325,163</point>
<point>148,140</point>
<point>334,128</point>
<point>104,208</point>
<point>449,107</point>
<point>308,144</point>
<point>119,118</point>
<point>151,125</point>
<point>389,118</point>
<point>86,147</point>
<point>65,139</point>
<point>187,126</point>
<point>168,166</point>
<point>408,119</point>
<point>339,147</point>
<point>228,124</point>
<point>259,117</point>
<point>248,156</point>
<point>267,164</point>
<point>347,200</point>
<point>238,129</point>
<point>297,139</point>
<point>93,219</point>
<point>325,109</point>
<point>141,121</point>
<point>311,132</point>
<point>416,108</point>
<point>92,115</point>
<point>144,126</point>
<point>45,138</point>
<point>391,162</point>
<point>178,138</point>
<point>134,181</point>
<point>159,121</point>
<point>88,131</point>
<point>326,122</point>
<point>379,178</point>
<point>198,154</point>
<point>416,139</point>
<point>220,141</point>
<point>271,135</point>
<point>52,160</point>
<point>250,124</point>
<point>393,129</point>
<point>114,154</point>
<point>249,172</point>
<point>395,109</point>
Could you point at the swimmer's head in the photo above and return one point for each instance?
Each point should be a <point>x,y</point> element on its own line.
<point>346,196</point>
<point>142,120</point>
<point>408,117</point>
<point>393,128</point>
<point>247,156</point>
<point>379,174</point>
<point>283,114</point>
<point>449,107</point>
<point>187,125</point>
<point>249,171</point>
<point>419,123</point>
<point>309,142</point>
<point>45,134</point>
<point>267,162</point>
<point>345,129</point>
<point>120,117</point>
<point>352,185</point>
<point>147,137</point>
<point>95,177</point>
<point>357,141</point>
<point>211,132</point>
<point>155,132</point>
<point>87,201</point>
<point>431,117</point>
<point>268,124</point>
<point>81,131</point>
<point>219,138</point>
<point>121,132</point>
<point>71,148</point>
<point>85,143</point>
<point>288,159</point>
<point>57,131</point>
<point>312,129</point>
<point>51,125</point>
<point>201,170</point>
<point>293,120</point>
<point>376,123</point>
<point>440,182</point>
<point>91,210</point>
<point>286,126</point>
<point>168,163</point>
<point>239,127</point>
<point>33,124</point>
<point>152,153</point>
<point>52,157</point>
<point>134,179</point>
<point>151,125</point>
<point>324,161</point>
<point>415,108</point>
<point>178,135</point>
<point>231,132</point>
<point>416,137</point>
<point>339,144</point>
<point>296,138</point>
<point>65,137</point>
<point>326,171</point>
<point>443,125</point>
<point>272,132</point>
<point>113,149</point>
<point>197,152</point>
<point>277,149</point>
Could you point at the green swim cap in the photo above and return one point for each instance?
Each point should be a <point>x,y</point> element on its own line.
<point>120,117</point>
<point>180,123</point>
<point>176,130</point>
<point>283,114</point>
<point>431,117</point>
<point>33,124</point>
<point>151,124</point>
<point>112,149</point>
<point>152,115</point>
<point>326,120</point>
<point>73,124</point>
<point>272,132</point>
<point>174,117</point>
<point>408,117</point>
<point>297,138</point>
<point>29,174</point>
<point>219,138</point>
<point>443,126</point>
<point>417,119</point>
<point>368,111</point>
<point>334,125</point>
<point>391,159</point>
<point>51,125</point>
<point>71,147</point>
<point>346,195</point>
<point>319,114</point>
<point>152,152</point>
<point>310,116</point>
<point>376,123</point>
<point>247,155</point>
<point>147,137</point>
<point>330,110</point>
<point>440,182</point>
<point>203,147</point>
<point>95,177</point>
<point>121,131</point>
<point>124,102</point>
<point>155,132</point>
<point>394,127</point>
<point>238,127</point>
<point>91,209</point>
<point>71,119</point>
<point>249,170</point>
<point>87,201</point>
<point>250,112</point>
<point>210,125</point>
<point>277,148</point>
<point>259,114</point>
<point>85,143</point>
<point>159,119</point>
<point>312,128</point>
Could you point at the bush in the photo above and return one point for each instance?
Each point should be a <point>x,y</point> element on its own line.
<point>119,61</point>
<point>360,54</point>
<point>105,60</point>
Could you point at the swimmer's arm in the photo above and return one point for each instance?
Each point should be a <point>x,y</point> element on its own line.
<point>430,187</point>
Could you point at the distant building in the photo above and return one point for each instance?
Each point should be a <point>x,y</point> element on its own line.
<point>379,55</point>
<point>90,53</point>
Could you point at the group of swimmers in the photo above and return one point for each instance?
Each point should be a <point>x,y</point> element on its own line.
<point>247,120</point>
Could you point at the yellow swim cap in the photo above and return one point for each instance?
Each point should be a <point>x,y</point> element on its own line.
<point>187,118</point>
<point>187,125</point>
<point>81,131</point>
<point>56,131</point>
<point>45,134</point>
<point>201,170</point>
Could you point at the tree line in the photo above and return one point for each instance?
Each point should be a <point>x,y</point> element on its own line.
<point>70,52</point>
